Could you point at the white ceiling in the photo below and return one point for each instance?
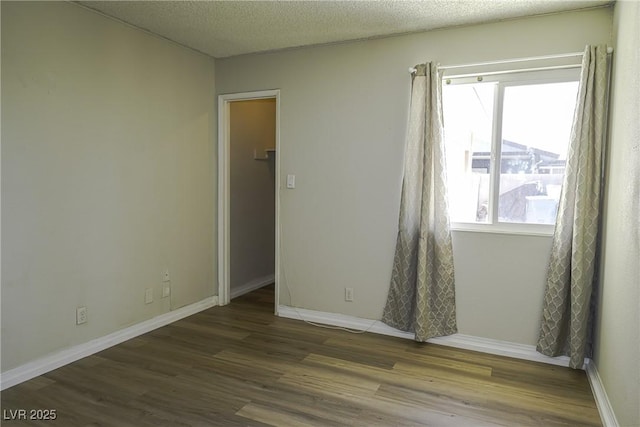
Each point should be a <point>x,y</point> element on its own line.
<point>228,28</point>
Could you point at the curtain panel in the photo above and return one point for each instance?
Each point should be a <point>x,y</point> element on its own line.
<point>566,326</point>
<point>421,297</point>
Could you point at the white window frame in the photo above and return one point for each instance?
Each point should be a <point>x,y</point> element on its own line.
<point>505,79</point>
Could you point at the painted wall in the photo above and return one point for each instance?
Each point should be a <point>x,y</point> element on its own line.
<point>107,176</point>
<point>343,118</point>
<point>500,297</point>
<point>252,191</point>
<point>617,344</point>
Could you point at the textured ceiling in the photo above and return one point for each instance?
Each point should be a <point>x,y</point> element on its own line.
<point>229,28</point>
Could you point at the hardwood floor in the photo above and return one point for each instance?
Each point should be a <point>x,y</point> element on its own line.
<point>240,365</point>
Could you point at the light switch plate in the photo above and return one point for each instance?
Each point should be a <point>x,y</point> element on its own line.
<point>291,181</point>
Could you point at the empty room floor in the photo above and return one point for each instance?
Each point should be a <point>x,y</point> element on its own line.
<point>239,365</point>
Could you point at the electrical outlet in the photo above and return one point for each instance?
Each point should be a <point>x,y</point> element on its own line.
<point>166,291</point>
<point>148,296</point>
<point>165,276</point>
<point>81,315</point>
<point>348,294</point>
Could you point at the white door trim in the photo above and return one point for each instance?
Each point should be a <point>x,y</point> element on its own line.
<point>224,293</point>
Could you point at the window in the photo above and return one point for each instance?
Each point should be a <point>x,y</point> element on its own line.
<point>506,138</point>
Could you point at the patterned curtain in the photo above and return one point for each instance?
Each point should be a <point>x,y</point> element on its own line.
<point>568,306</point>
<point>421,296</point>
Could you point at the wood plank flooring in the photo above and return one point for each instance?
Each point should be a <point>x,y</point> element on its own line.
<point>239,365</point>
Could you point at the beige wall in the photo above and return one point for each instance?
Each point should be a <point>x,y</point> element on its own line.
<point>617,354</point>
<point>107,176</point>
<point>252,195</point>
<point>499,293</point>
<point>343,118</point>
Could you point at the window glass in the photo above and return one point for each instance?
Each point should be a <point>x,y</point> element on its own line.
<point>468,122</point>
<point>506,145</point>
<point>536,123</point>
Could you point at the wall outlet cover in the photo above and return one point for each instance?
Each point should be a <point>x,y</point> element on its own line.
<point>81,315</point>
<point>148,296</point>
<point>348,294</point>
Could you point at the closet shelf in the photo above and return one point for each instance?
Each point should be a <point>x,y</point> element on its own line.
<point>267,152</point>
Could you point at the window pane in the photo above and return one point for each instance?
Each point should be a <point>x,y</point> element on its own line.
<point>468,120</point>
<point>536,125</point>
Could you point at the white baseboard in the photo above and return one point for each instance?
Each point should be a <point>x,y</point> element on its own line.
<point>600,395</point>
<point>500,348</point>
<point>252,285</point>
<point>467,342</point>
<point>56,360</point>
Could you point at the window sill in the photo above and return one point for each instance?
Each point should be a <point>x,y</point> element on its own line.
<point>513,229</point>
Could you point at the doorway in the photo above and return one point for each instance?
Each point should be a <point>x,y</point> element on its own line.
<point>248,187</point>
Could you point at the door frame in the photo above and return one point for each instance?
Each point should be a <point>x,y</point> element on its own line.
<point>224,232</point>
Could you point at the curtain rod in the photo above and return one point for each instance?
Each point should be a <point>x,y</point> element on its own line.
<point>509,61</point>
